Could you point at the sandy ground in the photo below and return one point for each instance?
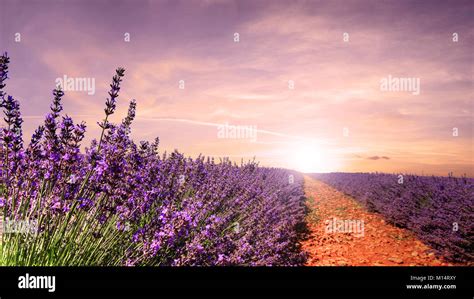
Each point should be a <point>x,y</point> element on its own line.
<point>333,242</point>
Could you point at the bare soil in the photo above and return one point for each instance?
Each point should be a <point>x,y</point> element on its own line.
<point>381,244</point>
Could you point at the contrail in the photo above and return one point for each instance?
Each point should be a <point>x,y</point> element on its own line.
<point>211,124</point>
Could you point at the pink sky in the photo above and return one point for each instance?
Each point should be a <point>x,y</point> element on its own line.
<point>336,83</point>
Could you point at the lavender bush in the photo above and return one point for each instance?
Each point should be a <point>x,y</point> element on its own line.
<point>122,203</point>
<point>438,209</point>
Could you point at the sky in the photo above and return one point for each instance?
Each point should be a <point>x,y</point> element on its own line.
<point>307,85</point>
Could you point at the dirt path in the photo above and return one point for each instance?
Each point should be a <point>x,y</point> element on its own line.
<point>333,241</point>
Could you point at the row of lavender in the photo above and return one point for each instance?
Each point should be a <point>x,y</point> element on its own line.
<point>122,203</point>
<point>440,210</point>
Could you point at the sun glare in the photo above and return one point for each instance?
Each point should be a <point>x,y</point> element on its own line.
<point>312,158</point>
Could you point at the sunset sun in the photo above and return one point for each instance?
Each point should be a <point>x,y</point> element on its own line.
<point>312,158</point>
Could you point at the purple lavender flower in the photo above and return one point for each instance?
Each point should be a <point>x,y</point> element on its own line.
<point>131,196</point>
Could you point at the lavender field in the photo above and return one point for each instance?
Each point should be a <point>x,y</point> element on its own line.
<point>440,210</point>
<point>116,202</point>
<point>215,148</point>
<point>122,203</point>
